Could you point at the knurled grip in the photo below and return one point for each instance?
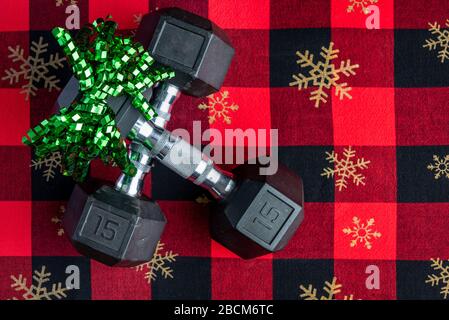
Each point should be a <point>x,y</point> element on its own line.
<point>190,163</point>
<point>181,157</point>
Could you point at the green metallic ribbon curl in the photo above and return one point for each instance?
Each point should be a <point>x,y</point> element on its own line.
<point>105,65</point>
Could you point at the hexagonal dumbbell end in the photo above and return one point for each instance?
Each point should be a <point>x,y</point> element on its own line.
<point>261,214</point>
<point>112,227</point>
<point>196,48</point>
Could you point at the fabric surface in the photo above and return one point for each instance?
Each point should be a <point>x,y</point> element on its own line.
<point>384,212</point>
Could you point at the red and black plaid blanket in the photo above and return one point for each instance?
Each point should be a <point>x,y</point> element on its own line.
<point>368,132</point>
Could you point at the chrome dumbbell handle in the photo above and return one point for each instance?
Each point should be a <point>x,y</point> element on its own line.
<point>164,97</point>
<point>184,159</point>
<point>142,160</point>
<point>162,100</point>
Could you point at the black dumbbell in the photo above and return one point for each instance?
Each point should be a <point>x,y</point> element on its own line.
<point>261,214</point>
<point>112,227</point>
<point>255,213</point>
<point>196,49</point>
<point>125,232</point>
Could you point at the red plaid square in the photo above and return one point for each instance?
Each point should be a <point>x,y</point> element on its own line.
<point>187,230</point>
<point>421,116</point>
<point>250,66</point>
<point>118,283</point>
<point>314,238</point>
<point>123,12</point>
<point>366,279</point>
<point>300,14</point>
<point>15,173</point>
<point>241,108</point>
<point>43,105</point>
<point>375,58</point>
<point>10,41</point>
<point>423,231</point>
<point>15,229</point>
<point>240,14</point>
<point>15,16</point>
<point>13,266</point>
<point>46,15</point>
<point>48,235</point>
<point>181,119</point>
<point>198,7</point>
<point>218,251</point>
<point>365,231</point>
<point>366,119</point>
<point>298,121</point>
<point>15,115</point>
<point>354,14</point>
<point>416,14</point>
<point>238,279</point>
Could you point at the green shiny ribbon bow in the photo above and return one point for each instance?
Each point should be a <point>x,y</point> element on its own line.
<point>106,65</point>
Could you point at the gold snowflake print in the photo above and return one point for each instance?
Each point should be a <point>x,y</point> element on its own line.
<point>345,168</point>
<point>38,289</point>
<point>362,4</point>
<point>331,289</point>
<point>158,264</point>
<point>61,2</point>
<point>52,164</point>
<point>440,41</point>
<point>203,200</point>
<point>323,74</point>
<point>362,232</point>
<point>137,18</point>
<point>440,276</point>
<point>34,69</point>
<point>440,167</point>
<point>58,221</point>
<point>219,107</point>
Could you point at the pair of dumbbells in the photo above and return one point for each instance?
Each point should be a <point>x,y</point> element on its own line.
<point>118,226</point>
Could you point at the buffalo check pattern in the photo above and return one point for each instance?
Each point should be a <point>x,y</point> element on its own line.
<point>397,120</point>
